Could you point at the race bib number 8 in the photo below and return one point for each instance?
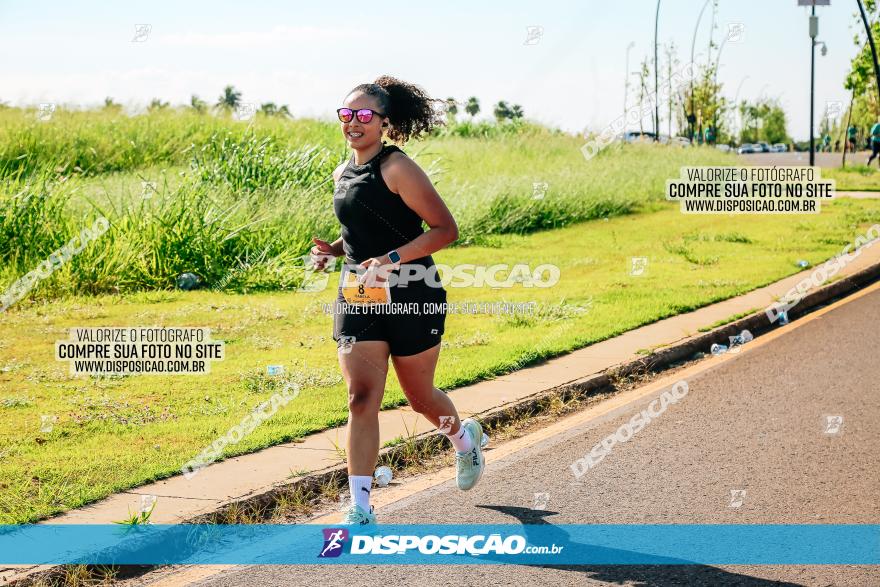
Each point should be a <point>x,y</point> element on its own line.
<point>356,292</point>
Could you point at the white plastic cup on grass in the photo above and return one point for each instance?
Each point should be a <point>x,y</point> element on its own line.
<point>383,476</point>
<point>718,349</point>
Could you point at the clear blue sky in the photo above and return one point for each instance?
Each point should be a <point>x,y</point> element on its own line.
<point>309,54</point>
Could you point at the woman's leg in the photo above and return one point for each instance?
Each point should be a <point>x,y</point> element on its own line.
<point>364,369</point>
<point>416,376</point>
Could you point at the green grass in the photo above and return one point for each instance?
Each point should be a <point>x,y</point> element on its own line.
<point>855,178</point>
<point>237,204</point>
<point>256,196</point>
<point>113,434</point>
<point>97,142</point>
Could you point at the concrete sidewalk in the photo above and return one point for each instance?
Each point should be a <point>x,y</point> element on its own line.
<point>237,478</point>
<point>859,195</point>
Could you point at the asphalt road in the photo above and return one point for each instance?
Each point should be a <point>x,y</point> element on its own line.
<point>755,423</point>
<point>792,159</point>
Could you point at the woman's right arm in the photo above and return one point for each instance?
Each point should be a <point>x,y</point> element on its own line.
<point>338,251</point>
<point>337,244</point>
<point>323,248</point>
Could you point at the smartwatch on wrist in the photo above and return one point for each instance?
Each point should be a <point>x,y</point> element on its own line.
<point>394,256</point>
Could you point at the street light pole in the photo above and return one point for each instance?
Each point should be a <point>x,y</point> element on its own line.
<point>871,41</point>
<point>692,116</point>
<point>718,57</point>
<point>715,85</point>
<point>814,32</point>
<point>656,74</point>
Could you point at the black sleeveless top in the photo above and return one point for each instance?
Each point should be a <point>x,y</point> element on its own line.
<point>374,219</point>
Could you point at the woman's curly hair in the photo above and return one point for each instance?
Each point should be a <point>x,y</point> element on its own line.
<point>411,112</point>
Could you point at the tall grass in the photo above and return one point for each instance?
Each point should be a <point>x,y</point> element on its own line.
<point>95,142</point>
<point>245,200</point>
<point>482,129</point>
<point>102,141</point>
<point>33,221</point>
<point>252,162</point>
<point>206,224</point>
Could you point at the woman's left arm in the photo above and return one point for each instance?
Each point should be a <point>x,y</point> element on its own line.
<point>406,178</point>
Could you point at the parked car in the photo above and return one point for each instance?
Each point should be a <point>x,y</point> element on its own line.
<point>635,136</point>
<point>762,148</point>
<point>779,148</point>
<point>746,148</point>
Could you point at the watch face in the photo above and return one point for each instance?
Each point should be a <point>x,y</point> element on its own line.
<point>394,256</point>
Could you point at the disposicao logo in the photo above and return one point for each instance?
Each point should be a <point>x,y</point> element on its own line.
<point>394,544</point>
<point>334,540</point>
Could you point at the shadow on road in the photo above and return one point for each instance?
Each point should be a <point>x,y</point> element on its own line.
<point>668,572</point>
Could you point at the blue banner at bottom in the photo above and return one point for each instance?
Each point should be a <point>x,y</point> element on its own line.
<point>545,544</point>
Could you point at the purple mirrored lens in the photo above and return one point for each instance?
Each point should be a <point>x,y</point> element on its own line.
<point>345,114</point>
<point>365,116</point>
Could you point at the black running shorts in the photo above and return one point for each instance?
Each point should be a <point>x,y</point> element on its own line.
<point>411,323</point>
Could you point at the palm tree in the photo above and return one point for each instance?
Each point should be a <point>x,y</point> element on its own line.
<point>271,109</point>
<point>451,109</point>
<point>157,104</point>
<point>230,99</point>
<point>501,111</point>
<point>473,106</point>
<point>197,104</point>
<point>109,104</point>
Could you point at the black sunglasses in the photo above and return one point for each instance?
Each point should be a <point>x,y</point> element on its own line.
<point>364,115</point>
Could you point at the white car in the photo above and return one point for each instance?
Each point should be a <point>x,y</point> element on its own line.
<point>746,148</point>
<point>779,148</point>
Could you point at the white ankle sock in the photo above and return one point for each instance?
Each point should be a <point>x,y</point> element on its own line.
<point>461,440</point>
<point>360,486</point>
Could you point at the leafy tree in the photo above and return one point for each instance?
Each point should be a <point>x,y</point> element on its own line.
<point>271,109</point>
<point>763,121</point>
<point>230,99</point>
<point>473,106</point>
<point>198,104</point>
<point>709,106</point>
<point>861,79</point>
<point>644,72</point>
<point>111,106</point>
<point>451,109</point>
<point>501,111</point>
<point>775,125</point>
<point>672,97</point>
<point>156,105</point>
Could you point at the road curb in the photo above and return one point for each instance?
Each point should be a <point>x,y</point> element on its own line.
<point>336,476</point>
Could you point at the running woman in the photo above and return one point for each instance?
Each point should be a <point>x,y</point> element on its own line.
<point>381,199</point>
<point>875,142</point>
<point>852,132</point>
